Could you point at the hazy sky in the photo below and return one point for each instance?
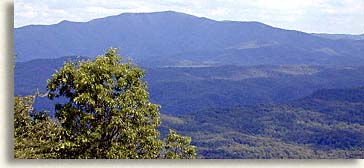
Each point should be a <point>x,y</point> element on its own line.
<point>325,16</point>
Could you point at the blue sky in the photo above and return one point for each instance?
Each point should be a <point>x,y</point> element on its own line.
<point>317,16</point>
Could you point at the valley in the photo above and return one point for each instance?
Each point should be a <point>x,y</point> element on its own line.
<point>239,89</point>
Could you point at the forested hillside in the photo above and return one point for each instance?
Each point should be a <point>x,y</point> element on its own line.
<point>327,124</point>
<point>184,89</point>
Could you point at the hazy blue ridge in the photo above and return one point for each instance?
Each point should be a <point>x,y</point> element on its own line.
<point>178,39</point>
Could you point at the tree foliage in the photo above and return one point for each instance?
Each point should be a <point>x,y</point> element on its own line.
<point>107,113</point>
<point>35,133</point>
<point>178,147</point>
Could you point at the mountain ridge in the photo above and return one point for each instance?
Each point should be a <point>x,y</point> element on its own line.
<point>171,38</point>
<point>131,14</point>
<point>340,36</point>
<point>183,89</point>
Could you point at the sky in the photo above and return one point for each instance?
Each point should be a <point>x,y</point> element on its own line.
<point>312,16</point>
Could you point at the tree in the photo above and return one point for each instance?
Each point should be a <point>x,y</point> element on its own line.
<point>35,134</point>
<point>107,113</point>
<point>178,147</point>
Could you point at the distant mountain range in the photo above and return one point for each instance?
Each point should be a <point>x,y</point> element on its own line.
<point>266,111</point>
<point>340,36</point>
<point>177,39</point>
<point>239,89</point>
<point>184,89</point>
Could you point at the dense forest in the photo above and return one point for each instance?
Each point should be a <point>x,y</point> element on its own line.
<point>326,124</point>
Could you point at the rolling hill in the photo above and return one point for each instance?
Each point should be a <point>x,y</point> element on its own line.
<point>183,89</point>
<point>327,124</point>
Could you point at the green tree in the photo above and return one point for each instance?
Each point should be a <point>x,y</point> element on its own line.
<point>178,147</point>
<point>35,134</point>
<point>107,113</point>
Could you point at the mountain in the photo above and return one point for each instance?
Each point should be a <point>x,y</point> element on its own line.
<point>183,89</point>
<point>340,36</point>
<point>177,39</point>
<point>327,124</point>
<point>265,111</point>
<point>239,89</point>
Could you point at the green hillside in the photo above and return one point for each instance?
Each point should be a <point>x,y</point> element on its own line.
<point>323,125</point>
